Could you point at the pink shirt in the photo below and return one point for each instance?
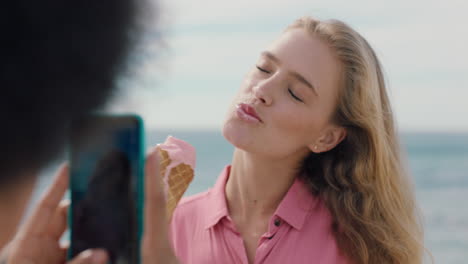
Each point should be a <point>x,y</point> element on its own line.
<point>299,231</point>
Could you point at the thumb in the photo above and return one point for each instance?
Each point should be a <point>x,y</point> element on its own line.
<point>90,256</point>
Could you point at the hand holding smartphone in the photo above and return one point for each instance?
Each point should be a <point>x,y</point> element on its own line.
<point>106,184</point>
<point>42,230</point>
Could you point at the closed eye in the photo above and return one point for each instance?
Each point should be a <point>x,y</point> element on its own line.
<point>262,70</point>
<point>294,96</point>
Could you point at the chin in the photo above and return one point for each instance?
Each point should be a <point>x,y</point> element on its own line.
<point>239,135</point>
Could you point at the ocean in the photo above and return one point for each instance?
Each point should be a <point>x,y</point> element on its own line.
<point>438,164</point>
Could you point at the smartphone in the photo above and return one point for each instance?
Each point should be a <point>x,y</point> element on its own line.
<point>106,185</point>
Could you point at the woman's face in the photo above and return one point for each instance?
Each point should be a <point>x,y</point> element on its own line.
<point>285,103</point>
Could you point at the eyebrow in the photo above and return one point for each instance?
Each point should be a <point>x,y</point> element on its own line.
<point>296,75</point>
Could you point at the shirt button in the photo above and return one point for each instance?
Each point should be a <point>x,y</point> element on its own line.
<point>277,222</point>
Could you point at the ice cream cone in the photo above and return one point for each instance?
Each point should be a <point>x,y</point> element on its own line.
<point>177,169</point>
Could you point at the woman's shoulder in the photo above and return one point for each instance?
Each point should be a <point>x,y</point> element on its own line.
<point>188,218</point>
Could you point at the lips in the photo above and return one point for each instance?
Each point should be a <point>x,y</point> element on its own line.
<point>248,113</point>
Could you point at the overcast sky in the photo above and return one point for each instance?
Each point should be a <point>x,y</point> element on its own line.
<point>209,45</point>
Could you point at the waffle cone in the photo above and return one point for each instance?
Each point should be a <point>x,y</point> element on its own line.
<point>177,180</point>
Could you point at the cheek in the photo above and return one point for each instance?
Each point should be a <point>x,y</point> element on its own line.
<point>300,128</point>
<point>248,82</point>
<point>244,92</point>
<point>287,118</point>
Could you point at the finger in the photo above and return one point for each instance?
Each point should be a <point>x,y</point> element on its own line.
<point>90,256</point>
<point>155,222</point>
<point>61,254</point>
<point>65,245</point>
<point>47,206</point>
<point>58,224</point>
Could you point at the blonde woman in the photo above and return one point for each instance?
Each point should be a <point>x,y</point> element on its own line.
<point>317,174</point>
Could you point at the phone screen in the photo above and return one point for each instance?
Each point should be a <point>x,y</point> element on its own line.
<point>106,182</point>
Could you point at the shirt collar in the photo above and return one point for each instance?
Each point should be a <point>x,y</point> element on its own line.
<point>296,204</point>
<point>294,208</point>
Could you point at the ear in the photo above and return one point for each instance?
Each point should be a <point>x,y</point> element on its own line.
<point>329,139</point>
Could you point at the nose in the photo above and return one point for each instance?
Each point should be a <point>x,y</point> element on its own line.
<point>263,92</point>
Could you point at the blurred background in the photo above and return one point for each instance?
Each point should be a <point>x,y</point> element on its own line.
<point>183,85</point>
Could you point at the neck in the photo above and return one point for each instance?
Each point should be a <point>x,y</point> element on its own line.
<point>256,185</point>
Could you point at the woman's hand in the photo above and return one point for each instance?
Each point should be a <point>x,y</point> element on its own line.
<point>38,241</point>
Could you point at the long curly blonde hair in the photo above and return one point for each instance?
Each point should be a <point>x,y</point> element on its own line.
<point>362,180</point>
